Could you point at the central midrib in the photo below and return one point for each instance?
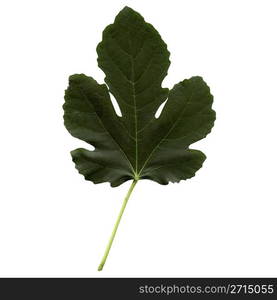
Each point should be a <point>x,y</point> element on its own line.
<point>132,81</point>
<point>135,115</point>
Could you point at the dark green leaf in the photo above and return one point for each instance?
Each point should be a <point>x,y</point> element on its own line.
<point>135,61</point>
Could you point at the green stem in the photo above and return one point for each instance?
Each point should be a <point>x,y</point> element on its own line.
<point>116,225</point>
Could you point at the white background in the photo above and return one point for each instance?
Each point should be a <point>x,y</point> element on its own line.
<point>220,223</point>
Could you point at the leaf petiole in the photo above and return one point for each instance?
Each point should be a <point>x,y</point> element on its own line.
<point>108,248</point>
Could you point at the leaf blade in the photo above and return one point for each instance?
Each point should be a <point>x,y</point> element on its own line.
<point>135,61</point>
